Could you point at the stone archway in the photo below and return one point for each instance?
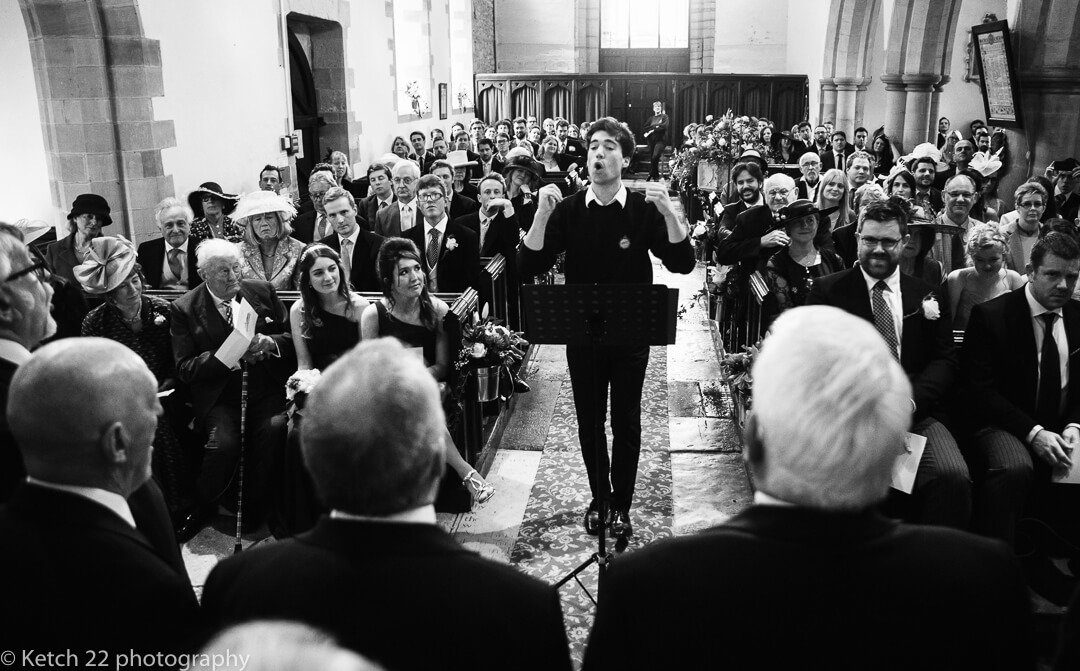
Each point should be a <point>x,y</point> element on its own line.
<point>851,29</point>
<point>95,74</point>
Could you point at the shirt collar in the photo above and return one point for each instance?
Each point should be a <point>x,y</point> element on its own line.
<point>13,352</point>
<point>352,238</point>
<point>441,225</point>
<point>1035,306</point>
<point>892,281</point>
<point>389,200</point>
<point>402,204</point>
<point>182,248</point>
<point>620,196</point>
<point>218,300</point>
<point>110,500</point>
<point>421,515</point>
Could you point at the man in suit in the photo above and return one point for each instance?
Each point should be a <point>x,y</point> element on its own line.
<point>359,249</point>
<point>860,171</point>
<point>372,439</point>
<point>405,213</point>
<point>421,155</point>
<point>859,141</point>
<point>757,233</point>
<point>84,411</point>
<point>655,136</point>
<point>489,160</point>
<point>380,196</point>
<point>460,205</point>
<point>1067,188</point>
<point>451,252</point>
<point>269,178</point>
<point>310,226</point>
<point>201,323</point>
<point>819,144</point>
<point>169,261</point>
<point>962,153</point>
<point>570,147</point>
<point>838,153</point>
<point>496,227</point>
<point>950,248</point>
<point>819,577</point>
<point>807,185</point>
<point>913,319</point>
<point>927,196</point>
<point>462,143</point>
<point>1017,360</point>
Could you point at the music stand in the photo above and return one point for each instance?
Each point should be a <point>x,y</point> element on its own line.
<point>597,315</point>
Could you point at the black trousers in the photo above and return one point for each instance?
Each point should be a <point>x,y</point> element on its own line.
<point>623,369</point>
<point>656,150</point>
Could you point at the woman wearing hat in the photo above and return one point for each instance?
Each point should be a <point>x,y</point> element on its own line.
<point>142,324</point>
<point>212,206</point>
<point>266,250</point>
<point>791,271</point>
<point>523,178</point>
<point>89,213</point>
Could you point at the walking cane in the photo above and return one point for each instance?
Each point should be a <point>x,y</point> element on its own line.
<point>243,440</point>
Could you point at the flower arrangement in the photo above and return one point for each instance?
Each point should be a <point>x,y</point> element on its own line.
<point>737,369</point>
<point>720,141</point>
<point>419,105</point>
<point>463,99</point>
<point>487,342</point>
<point>299,385</point>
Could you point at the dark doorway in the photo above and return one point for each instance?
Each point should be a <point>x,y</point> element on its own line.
<point>305,110</point>
<point>631,101</point>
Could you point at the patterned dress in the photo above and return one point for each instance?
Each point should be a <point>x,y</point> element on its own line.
<point>285,271</point>
<point>790,282</point>
<point>201,230</point>
<point>154,345</point>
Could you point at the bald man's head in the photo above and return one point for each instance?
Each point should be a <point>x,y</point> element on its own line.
<point>83,412</point>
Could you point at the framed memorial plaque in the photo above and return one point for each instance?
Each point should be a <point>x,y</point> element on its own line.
<point>997,71</point>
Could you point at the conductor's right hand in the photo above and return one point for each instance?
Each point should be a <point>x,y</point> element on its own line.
<point>775,239</point>
<point>549,197</point>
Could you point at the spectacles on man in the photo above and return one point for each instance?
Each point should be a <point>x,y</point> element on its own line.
<point>773,193</point>
<point>888,244</point>
<point>961,194</point>
<point>430,197</point>
<point>317,195</point>
<point>404,180</point>
<point>38,269</point>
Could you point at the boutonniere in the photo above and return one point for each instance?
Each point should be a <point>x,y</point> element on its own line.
<point>268,320</point>
<point>451,244</point>
<point>159,319</point>
<point>929,309</point>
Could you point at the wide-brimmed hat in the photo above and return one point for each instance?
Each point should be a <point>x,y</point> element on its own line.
<point>802,208</point>
<point>459,158</point>
<point>32,229</point>
<point>753,155</point>
<point>91,203</point>
<point>526,163</point>
<point>109,261</point>
<point>1065,165</point>
<point>194,198</point>
<point>261,202</point>
<point>924,150</point>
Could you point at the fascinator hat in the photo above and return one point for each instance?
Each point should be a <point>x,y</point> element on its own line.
<point>261,202</point>
<point>926,149</point>
<point>986,163</point>
<point>108,264</point>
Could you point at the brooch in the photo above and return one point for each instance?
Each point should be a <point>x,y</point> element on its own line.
<point>624,243</point>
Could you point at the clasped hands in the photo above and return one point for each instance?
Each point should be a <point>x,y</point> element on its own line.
<point>1055,449</point>
<point>260,349</point>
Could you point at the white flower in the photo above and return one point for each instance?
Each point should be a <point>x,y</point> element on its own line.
<point>451,244</point>
<point>699,230</point>
<point>301,382</point>
<point>159,320</point>
<point>478,350</point>
<point>930,308</point>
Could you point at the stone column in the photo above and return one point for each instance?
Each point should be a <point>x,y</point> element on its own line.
<point>935,108</point>
<point>917,112</point>
<point>895,105</point>
<point>828,100</point>
<point>846,100</point>
<point>860,102</point>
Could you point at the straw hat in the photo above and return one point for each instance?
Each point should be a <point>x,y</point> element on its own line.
<point>261,202</point>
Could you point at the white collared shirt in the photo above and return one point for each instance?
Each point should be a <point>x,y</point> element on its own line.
<point>1037,310</point>
<point>218,301</point>
<point>620,196</point>
<point>13,352</point>
<point>167,277</point>
<point>351,238</point>
<point>110,500</point>
<point>408,214</point>
<point>433,272</point>
<point>892,299</point>
<point>421,515</point>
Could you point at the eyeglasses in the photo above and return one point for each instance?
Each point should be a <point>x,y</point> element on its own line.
<point>1028,206</point>
<point>429,197</point>
<point>404,180</point>
<point>39,270</point>
<point>888,244</point>
<point>777,192</point>
<point>317,195</point>
<point>961,194</point>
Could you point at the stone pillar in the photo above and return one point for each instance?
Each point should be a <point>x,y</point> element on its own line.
<point>847,89</point>
<point>917,110</point>
<point>935,108</point>
<point>828,100</point>
<point>895,105</point>
<point>860,103</point>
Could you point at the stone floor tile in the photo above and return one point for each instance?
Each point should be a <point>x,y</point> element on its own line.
<point>707,489</point>
<point>703,434</point>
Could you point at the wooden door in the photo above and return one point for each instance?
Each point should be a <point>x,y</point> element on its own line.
<point>637,99</point>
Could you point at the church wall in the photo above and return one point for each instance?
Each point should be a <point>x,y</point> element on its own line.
<point>962,101</point>
<point>24,175</point>
<point>535,36</point>
<point>806,27</point>
<point>751,37</point>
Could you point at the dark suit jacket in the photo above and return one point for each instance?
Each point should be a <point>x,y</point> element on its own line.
<point>61,259</point>
<point>12,470</point>
<point>502,236</point>
<point>403,595</point>
<point>304,225</point>
<point>85,579</point>
<point>926,346</point>
<point>743,246</point>
<point>1069,208</point>
<point>198,329</point>
<point>846,243</point>
<point>828,159</point>
<point>999,361</point>
<point>388,221</point>
<point>152,259</point>
<point>459,268</point>
<point>369,207</point>
<point>810,590</point>
<point>731,211</point>
<point>803,189</point>
<point>364,275</point>
<point>460,205</point>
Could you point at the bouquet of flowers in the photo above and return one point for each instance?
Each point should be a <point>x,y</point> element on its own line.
<point>737,370</point>
<point>419,105</point>
<point>720,141</point>
<point>299,386</point>
<point>487,342</point>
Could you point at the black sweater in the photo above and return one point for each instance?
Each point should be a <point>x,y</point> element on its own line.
<point>607,245</point>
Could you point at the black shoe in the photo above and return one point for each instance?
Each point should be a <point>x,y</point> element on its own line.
<point>592,519</point>
<point>192,523</point>
<point>520,387</point>
<point>620,526</point>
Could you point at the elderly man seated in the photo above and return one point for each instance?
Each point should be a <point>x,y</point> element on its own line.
<point>758,232</point>
<point>378,574</point>
<point>202,320</point>
<point>169,262</point>
<point>818,578</point>
<point>77,569</point>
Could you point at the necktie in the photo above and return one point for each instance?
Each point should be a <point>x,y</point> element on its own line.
<point>883,318</point>
<point>176,266</point>
<point>840,161</point>
<point>433,248</point>
<point>406,217</point>
<point>320,229</point>
<point>1049,400</point>
<point>346,258</point>
<point>382,204</point>
<point>226,311</point>
<point>485,224</point>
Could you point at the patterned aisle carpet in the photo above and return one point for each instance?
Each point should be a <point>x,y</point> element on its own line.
<point>551,542</point>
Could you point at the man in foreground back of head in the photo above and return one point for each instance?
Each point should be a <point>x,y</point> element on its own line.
<point>75,571</point>
<point>811,575</point>
<point>377,573</point>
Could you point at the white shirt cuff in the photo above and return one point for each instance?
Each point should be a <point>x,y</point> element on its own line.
<point>1034,432</point>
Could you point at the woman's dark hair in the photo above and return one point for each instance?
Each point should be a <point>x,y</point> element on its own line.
<point>785,135</point>
<point>616,130</point>
<point>885,157</point>
<point>904,175</point>
<point>392,251</point>
<point>311,314</point>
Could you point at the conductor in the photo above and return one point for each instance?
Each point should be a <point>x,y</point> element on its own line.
<point>656,137</point>
<point>607,233</point>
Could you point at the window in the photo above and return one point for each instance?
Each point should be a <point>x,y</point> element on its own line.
<point>412,56</point>
<point>461,75</point>
<point>644,24</point>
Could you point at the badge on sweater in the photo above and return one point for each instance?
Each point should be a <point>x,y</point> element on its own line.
<point>624,243</point>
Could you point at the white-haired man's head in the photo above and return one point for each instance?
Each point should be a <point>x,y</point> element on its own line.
<point>219,266</point>
<point>406,174</point>
<point>831,408</point>
<point>374,434</point>
<point>779,191</point>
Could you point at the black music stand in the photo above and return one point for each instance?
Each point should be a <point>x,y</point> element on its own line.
<point>597,315</point>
